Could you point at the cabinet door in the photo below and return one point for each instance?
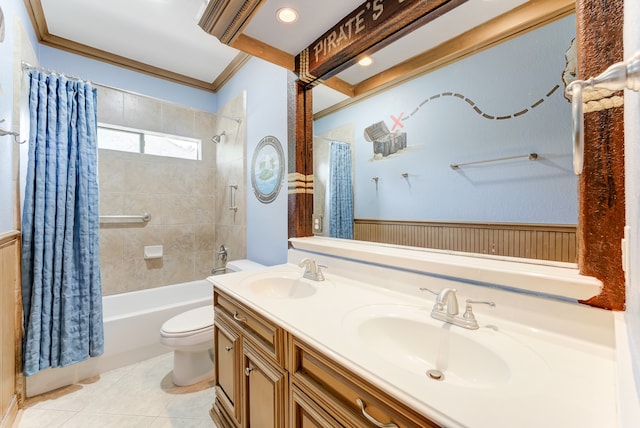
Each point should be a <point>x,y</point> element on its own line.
<point>264,392</point>
<point>228,353</point>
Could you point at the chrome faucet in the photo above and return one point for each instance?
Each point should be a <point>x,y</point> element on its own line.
<point>448,299</point>
<point>312,270</point>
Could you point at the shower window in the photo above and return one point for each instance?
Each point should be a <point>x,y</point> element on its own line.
<point>123,139</point>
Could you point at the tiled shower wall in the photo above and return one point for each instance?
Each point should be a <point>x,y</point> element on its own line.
<point>231,225</point>
<point>180,196</point>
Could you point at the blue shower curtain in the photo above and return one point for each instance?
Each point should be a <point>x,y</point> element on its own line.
<point>340,191</point>
<point>61,288</point>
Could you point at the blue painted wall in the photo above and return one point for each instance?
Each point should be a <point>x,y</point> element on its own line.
<point>500,82</point>
<point>266,88</point>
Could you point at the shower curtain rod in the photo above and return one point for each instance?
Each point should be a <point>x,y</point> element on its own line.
<point>26,65</point>
<point>333,140</point>
<point>237,119</point>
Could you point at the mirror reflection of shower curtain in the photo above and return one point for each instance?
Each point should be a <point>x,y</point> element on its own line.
<point>340,191</point>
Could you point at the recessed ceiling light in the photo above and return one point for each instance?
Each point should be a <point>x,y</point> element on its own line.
<point>287,14</point>
<point>366,61</point>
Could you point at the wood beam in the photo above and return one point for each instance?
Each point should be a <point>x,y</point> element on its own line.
<point>264,51</point>
<point>341,86</point>
<point>525,18</point>
<point>601,203</point>
<point>367,29</point>
<point>226,19</point>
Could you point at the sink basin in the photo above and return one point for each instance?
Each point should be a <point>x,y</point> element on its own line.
<point>408,338</point>
<point>281,285</point>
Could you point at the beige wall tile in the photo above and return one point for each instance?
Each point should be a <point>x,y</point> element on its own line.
<point>142,274</point>
<point>110,171</point>
<point>114,278</point>
<point>142,113</point>
<point>178,239</point>
<point>203,209</point>
<point>110,105</point>
<point>178,268</point>
<point>178,120</point>
<point>177,177</point>
<point>183,197</point>
<point>204,237</point>
<point>205,261</point>
<point>136,237</point>
<point>111,203</point>
<point>139,203</point>
<point>233,238</point>
<point>204,181</point>
<point>111,245</point>
<point>178,209</point>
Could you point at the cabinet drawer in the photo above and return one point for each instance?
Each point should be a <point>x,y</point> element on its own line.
<point>263,334</point>
<point>306,413</point>
<point>343,393</point>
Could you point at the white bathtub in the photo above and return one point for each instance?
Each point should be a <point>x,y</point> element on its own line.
<point>132,324</point>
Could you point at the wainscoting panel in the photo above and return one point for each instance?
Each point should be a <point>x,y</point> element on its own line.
<point>10,336</point>
<point>532,241</point>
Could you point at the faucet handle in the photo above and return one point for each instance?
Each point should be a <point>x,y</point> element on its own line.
<point>319,275</point>
<point>480,302</point>
<point>468,312</point>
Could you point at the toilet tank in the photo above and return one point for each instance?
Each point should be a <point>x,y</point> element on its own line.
<point>242,265</point>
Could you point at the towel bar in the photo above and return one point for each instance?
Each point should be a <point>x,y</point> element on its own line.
<point>530,156</point>
<point>143,218</point>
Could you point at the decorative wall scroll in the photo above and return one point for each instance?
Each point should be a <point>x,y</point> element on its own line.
<point>267,169</point>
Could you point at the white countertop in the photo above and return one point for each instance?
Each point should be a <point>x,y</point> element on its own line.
<point>569,380</point>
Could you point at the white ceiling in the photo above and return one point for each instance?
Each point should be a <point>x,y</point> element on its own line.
<point>165,34</point>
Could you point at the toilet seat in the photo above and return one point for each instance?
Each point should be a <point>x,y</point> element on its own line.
<point>189,323</point>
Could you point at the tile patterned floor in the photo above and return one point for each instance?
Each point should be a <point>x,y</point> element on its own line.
<point>138,396</point>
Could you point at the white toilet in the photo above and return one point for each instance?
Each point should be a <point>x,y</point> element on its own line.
<point>190,334</point>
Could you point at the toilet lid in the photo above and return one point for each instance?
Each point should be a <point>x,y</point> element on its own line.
<point>192,320</point>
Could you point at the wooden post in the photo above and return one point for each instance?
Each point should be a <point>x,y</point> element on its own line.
<point>301,165</point>
<point>601,203</point>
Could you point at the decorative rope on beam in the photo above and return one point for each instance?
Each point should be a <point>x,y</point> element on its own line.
<point>600,99</point>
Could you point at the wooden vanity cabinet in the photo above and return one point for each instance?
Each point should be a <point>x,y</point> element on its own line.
<point>227,356</point>
<point>265,377</point>
<point>264,390</point>
<point>344,398</point>
<point>306,413</point>
<point>251,384</point>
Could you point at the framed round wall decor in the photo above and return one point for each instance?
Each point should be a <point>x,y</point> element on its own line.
<point>267,169</point>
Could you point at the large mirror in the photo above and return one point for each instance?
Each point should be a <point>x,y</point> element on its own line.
<point>472,156</point>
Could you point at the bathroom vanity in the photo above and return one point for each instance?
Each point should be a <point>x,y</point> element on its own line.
<point>362,348</point>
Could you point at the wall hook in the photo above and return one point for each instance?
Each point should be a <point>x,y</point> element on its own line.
<point>15,135</point>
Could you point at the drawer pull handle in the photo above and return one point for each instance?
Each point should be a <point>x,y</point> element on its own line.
<point>247,371</point>
<point>237,318</point>
<point>371,419</point>
<point>228,348</point>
